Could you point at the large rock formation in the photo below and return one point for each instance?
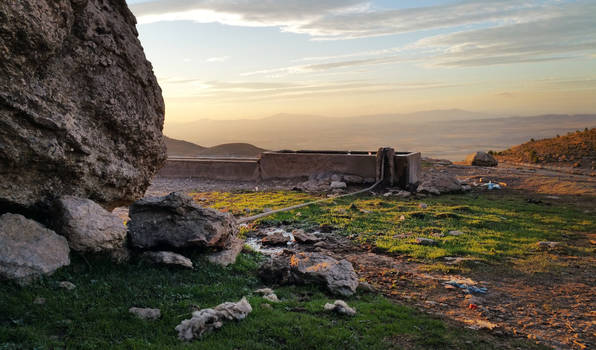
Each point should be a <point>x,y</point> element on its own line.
<point>481,159</point>
<point>29,250</point>
<point>175,221</point>
<point>81,112</point>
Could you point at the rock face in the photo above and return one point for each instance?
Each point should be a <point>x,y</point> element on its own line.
<point>176,221</point>
<point>338,277</point>
<point>481,159</point>
<point>89,227</point>
<point>28,250</point>
<point>207,320</point>
<point>81,112</point>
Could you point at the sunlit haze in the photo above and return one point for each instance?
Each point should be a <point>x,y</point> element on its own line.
<point>252,59</point>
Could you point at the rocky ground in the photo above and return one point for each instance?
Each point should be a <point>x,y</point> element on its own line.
<point>551,304</point>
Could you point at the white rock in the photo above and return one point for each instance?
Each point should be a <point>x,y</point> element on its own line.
<point>145,313</point>
<point>338,185</point>
<point>168,258</point>
<point>455,233</point>
<point>207,320</point>
<point>67,285</point>
<point>341,307</point>
<point>271,297</point>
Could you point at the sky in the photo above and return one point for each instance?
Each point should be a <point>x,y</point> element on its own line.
<point>232,59</point>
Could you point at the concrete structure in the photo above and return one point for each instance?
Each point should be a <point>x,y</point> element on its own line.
<point>400,168</point>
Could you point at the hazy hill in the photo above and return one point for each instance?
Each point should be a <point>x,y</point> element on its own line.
<point>188,149</point>
<point>233,150</point>
<point>182,148</point>
<point>446,134</point>
<point>576,149</point>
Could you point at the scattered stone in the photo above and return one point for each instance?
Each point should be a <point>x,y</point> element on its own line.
<point>39,301</point>
<point>422,205</point>
<point>29,250</point>
<point>168,258</point>
<point>145,313</point>
<point>404,194</point>
<point>338,185</point>
<point>402,218</point>
<point>228,255</point>
<point>276,238</point>
<point>481,159</point>
<point>353,179</point>
<point>81,112</point>
<point>438,182</point>
<point>338,277</point>
<point>207,320</point>
<point>455,233</point>
<point>305,238</point>
<point>67,285</point>
<point>548,244</point>
<point>425,241</point>
<point>87,226</point>
<point>176,221</point>
<point>268,294</point>
<point>341,307</point>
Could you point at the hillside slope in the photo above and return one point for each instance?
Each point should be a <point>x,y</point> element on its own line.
<point>182,148</point>
<point>576,149</point>
<point>232,150</point>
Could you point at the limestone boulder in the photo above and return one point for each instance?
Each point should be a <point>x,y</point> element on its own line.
<point>481,159</point>
<point>338,277</point>
<point>176,221</point>
<point>81,112</point>
<point>87,226</point>
<point>29,250</point>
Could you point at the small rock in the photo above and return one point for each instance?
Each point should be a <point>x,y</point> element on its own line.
<point>276,238</point>
<point>455,233</point>
<point>145,313</point>
<point>404,194</point>
<point>425,241</point>
<point>387,194</point>
<point>305,238</point>
<point>338,185</point>
<point>422,205</point>
<point>39,301</point>
<point>67,285</point>
<point>271,297</point>
<point>168,258</point>
<point>264,291</point>
<point>207,320</point>
<point>229,254</point>
<point>402,218</point>
<point>481,159</point>
<point>341,307</point>
<point>353,179</point>
<point>548,244</point>
<point>120,255</point>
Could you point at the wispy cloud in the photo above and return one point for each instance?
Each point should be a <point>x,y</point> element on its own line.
<point>217,59</point>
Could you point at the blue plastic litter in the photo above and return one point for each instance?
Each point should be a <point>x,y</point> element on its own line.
<point>468,289</point>
<point>492,186</point>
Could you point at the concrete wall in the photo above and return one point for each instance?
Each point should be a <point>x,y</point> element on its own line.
<point>274,165</point>
<point>291,165</point>
<point>217,169</point>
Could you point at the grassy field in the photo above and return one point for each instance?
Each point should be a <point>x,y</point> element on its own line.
<point>95,314</point>
<point>494,227</point>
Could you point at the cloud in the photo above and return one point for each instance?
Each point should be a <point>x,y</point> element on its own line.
<point>564,33</point>
<point>221,91</point>
<point>217,59</point>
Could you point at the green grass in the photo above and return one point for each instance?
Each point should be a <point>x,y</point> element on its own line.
<point>95,314</point>
<point>495,228</point>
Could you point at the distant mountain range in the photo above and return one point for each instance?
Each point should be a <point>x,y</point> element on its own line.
<point>447,134</point>
<point>188,149</point>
